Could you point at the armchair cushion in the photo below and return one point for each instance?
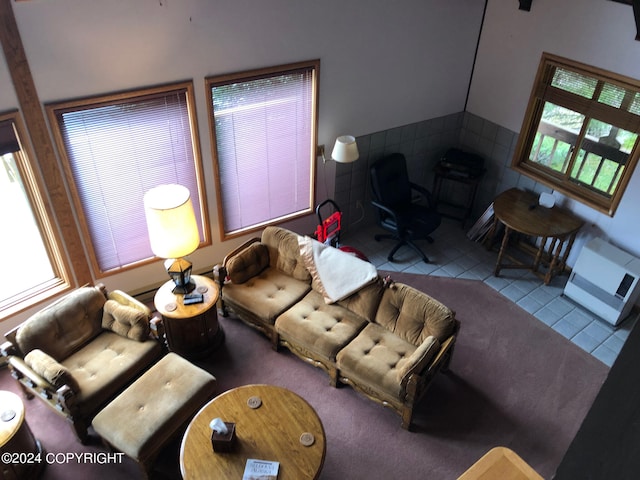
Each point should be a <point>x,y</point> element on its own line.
<point>64,326</point>
<point>126,321</point>
<point>248,263</point>
<point>49,369</point>
<point>106,365</point>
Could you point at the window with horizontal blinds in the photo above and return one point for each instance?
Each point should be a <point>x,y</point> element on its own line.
<point>118,148</point>
<point>265,135</point>
<point>581,131</point>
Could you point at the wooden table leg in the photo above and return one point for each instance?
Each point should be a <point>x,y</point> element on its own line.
<point>567,250</point>
<point>538,258</point>
<point>503,248</point>
<point>554,259</point>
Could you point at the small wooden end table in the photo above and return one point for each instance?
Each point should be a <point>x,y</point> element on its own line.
<point>22,454</point>
<point>272,423</point>
<point>500,463</point>
<point>519,212</point>
<point>192,330</point>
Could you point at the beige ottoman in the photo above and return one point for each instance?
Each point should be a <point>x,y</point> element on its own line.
<point>141,420</point>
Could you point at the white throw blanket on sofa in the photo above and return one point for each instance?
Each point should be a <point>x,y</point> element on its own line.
<point>338,274</point>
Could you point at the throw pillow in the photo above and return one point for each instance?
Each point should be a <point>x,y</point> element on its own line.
<point>126,321</point>
<point>248,263</point>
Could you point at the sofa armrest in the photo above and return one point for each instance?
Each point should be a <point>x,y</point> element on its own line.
<point>62,398</point>
<point>7,349</point>
<point>27,376</point>
<point>419,360</point>
<point>50,369</point>
<point>418,381</point>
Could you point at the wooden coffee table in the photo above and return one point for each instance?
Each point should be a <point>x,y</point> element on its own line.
<point>276,430</point>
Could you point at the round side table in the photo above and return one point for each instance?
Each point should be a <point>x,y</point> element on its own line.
<point>22,454</point>
<point>192,330</point>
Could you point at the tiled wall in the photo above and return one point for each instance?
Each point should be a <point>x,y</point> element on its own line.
<point>423,144</point>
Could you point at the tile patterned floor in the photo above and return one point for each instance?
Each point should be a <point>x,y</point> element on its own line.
<point>453,255</point>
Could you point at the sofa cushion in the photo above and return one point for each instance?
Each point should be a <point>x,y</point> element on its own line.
<point>64,326</point>
<point>266,295</point>
<point>414,315</point>
<point>284,252</point>
<point>248,263</point>
<point>126,321</point>
<point>374,359</point>
<point>365,301</point>
<point>49,369</point>
<point>336,274</point>
<point>106,365</point>
<point>320,328</point>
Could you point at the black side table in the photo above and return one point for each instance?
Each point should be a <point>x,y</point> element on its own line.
<point>461,168</point>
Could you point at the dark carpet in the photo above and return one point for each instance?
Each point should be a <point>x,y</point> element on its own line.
<point>513,382</point>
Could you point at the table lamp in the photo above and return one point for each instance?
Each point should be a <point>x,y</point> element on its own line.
<point>173,231</point>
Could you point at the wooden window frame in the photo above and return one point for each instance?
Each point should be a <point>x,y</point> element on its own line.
<point>36,193</point>
<point>541,92</point>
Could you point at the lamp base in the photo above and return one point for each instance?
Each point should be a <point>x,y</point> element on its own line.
<point>184,289</point>
<point>179,269</point>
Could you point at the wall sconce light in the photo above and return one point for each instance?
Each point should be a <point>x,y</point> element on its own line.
<point>173,231</point>
<point>345,150</point>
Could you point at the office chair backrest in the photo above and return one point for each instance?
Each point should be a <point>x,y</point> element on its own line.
<point>390,180</point>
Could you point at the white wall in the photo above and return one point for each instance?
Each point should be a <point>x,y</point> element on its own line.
<point>383,64</point>
<point>597,32</point>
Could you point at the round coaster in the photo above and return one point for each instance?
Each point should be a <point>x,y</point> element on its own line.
<point>202,289</point>
<point>170,307</point>
<point>307,439</point>
<point>254,402</point>
<point>8,415</point>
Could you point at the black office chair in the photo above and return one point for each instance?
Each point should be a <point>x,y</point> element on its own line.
<point>397,212</point>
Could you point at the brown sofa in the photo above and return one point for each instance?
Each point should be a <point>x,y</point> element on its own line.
<point>387,340</point>
<point>80,352</point>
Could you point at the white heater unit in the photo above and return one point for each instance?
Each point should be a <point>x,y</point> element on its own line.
<point>604,280</point>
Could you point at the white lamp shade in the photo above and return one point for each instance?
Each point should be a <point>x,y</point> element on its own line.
<point>345,149</point>
<point>171,221</point>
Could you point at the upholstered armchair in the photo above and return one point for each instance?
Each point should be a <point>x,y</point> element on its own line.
<point>81,351</point>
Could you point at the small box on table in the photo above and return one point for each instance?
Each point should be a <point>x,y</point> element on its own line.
<point>224,442</point>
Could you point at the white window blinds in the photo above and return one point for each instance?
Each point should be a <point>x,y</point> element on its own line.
<point>265,142</point>
<point>116,152</point>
